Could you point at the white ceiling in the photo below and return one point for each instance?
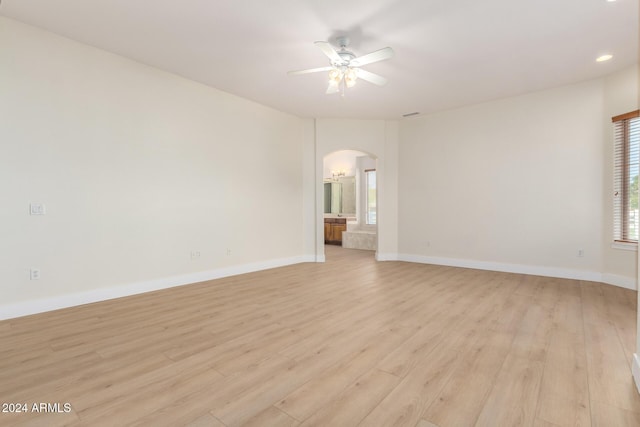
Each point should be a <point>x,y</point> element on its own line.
<point>448,53</point>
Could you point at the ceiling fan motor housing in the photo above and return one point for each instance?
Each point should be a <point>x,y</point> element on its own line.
<point>343,53</point>
<point>346,58</point>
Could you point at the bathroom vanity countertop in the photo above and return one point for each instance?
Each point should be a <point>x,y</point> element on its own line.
<point>347,217</point>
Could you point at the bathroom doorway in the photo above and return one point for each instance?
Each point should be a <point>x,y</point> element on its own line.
<point>350,201</point>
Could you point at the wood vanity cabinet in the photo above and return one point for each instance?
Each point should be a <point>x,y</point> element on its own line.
<point>333,228</point>
<point>327,231</point>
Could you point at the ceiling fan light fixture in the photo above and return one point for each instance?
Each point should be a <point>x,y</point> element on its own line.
<point>350,77</point>
<point>335,76</point>
<point>344,69</point>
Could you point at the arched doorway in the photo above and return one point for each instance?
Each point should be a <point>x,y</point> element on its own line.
<point>349,201</point>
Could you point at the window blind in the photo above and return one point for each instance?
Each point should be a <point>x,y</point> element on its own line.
<point>625,180</point>
<point>371,197</point>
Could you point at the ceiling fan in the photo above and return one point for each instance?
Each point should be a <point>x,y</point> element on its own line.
<point>345,66</point>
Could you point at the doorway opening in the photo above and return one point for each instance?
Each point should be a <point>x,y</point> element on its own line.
<point>350,201</point>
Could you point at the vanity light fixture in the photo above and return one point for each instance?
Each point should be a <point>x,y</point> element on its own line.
<point>337,174</point>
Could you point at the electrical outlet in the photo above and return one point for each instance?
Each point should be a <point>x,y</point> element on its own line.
<point>580,253</point>
<point>37,209</point>
<point>195,254</point>
<point>34,274</point>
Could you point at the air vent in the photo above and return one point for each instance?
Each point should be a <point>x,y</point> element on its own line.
<point>410,114</point>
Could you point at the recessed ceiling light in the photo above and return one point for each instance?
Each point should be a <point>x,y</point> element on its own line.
<point>604,58</point>
<point>610,1</point>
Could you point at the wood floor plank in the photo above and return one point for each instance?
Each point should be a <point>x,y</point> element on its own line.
<point>351,406</point>
<point>88,379</point>
<point>607,415</point>
<point>619,308</point>
<point>440,327</point>
<point>123,410</point>
<point>207,420</point>
<point>607,364</point>
<point>564,391</point>
<point>513,399</point>
<point>348,342</point>
<point>301,370</point>
<point>17,378</point>
<point>272,417</point>
<point>469,386</point>
<point>406,403</point>
<point>311,396</point>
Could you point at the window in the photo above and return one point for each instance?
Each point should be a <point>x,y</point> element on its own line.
<point>371,197</point>
<point>625,177</point>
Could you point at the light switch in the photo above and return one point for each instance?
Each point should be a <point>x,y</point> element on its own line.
<point>37,209</point>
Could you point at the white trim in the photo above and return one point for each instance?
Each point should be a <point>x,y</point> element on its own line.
<point>26,308</point>
<point>625,246</point>
<point>386,257</point>
<point>507,268</point>
<point>620,281</point>
<point>305,258</point>
<point>536,270</point>
<point>635,370</point>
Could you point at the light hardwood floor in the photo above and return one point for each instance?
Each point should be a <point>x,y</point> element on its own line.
<point>350,342</point>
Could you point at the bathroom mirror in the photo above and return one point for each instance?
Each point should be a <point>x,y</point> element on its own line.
<point>340,195</point>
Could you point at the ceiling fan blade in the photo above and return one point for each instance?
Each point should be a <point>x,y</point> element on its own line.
<point>378,55</point>
<point>335,88</point>
<point>371,77</point>
<point>310,70</point>
<point>328,50</point>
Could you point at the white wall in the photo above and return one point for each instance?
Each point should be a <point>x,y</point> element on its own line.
<point>515,184</point>
<point>378,138</point>
<point>388,194</point>
<point>309,189</point>
<point>137,168</point>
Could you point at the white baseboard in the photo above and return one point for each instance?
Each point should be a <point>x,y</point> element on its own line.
<point>635,370</point>
<point>306,258</point>
<point>26,308</point>
<point>563,273</point>
<point>620,281</point>
<point>386,257</point>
